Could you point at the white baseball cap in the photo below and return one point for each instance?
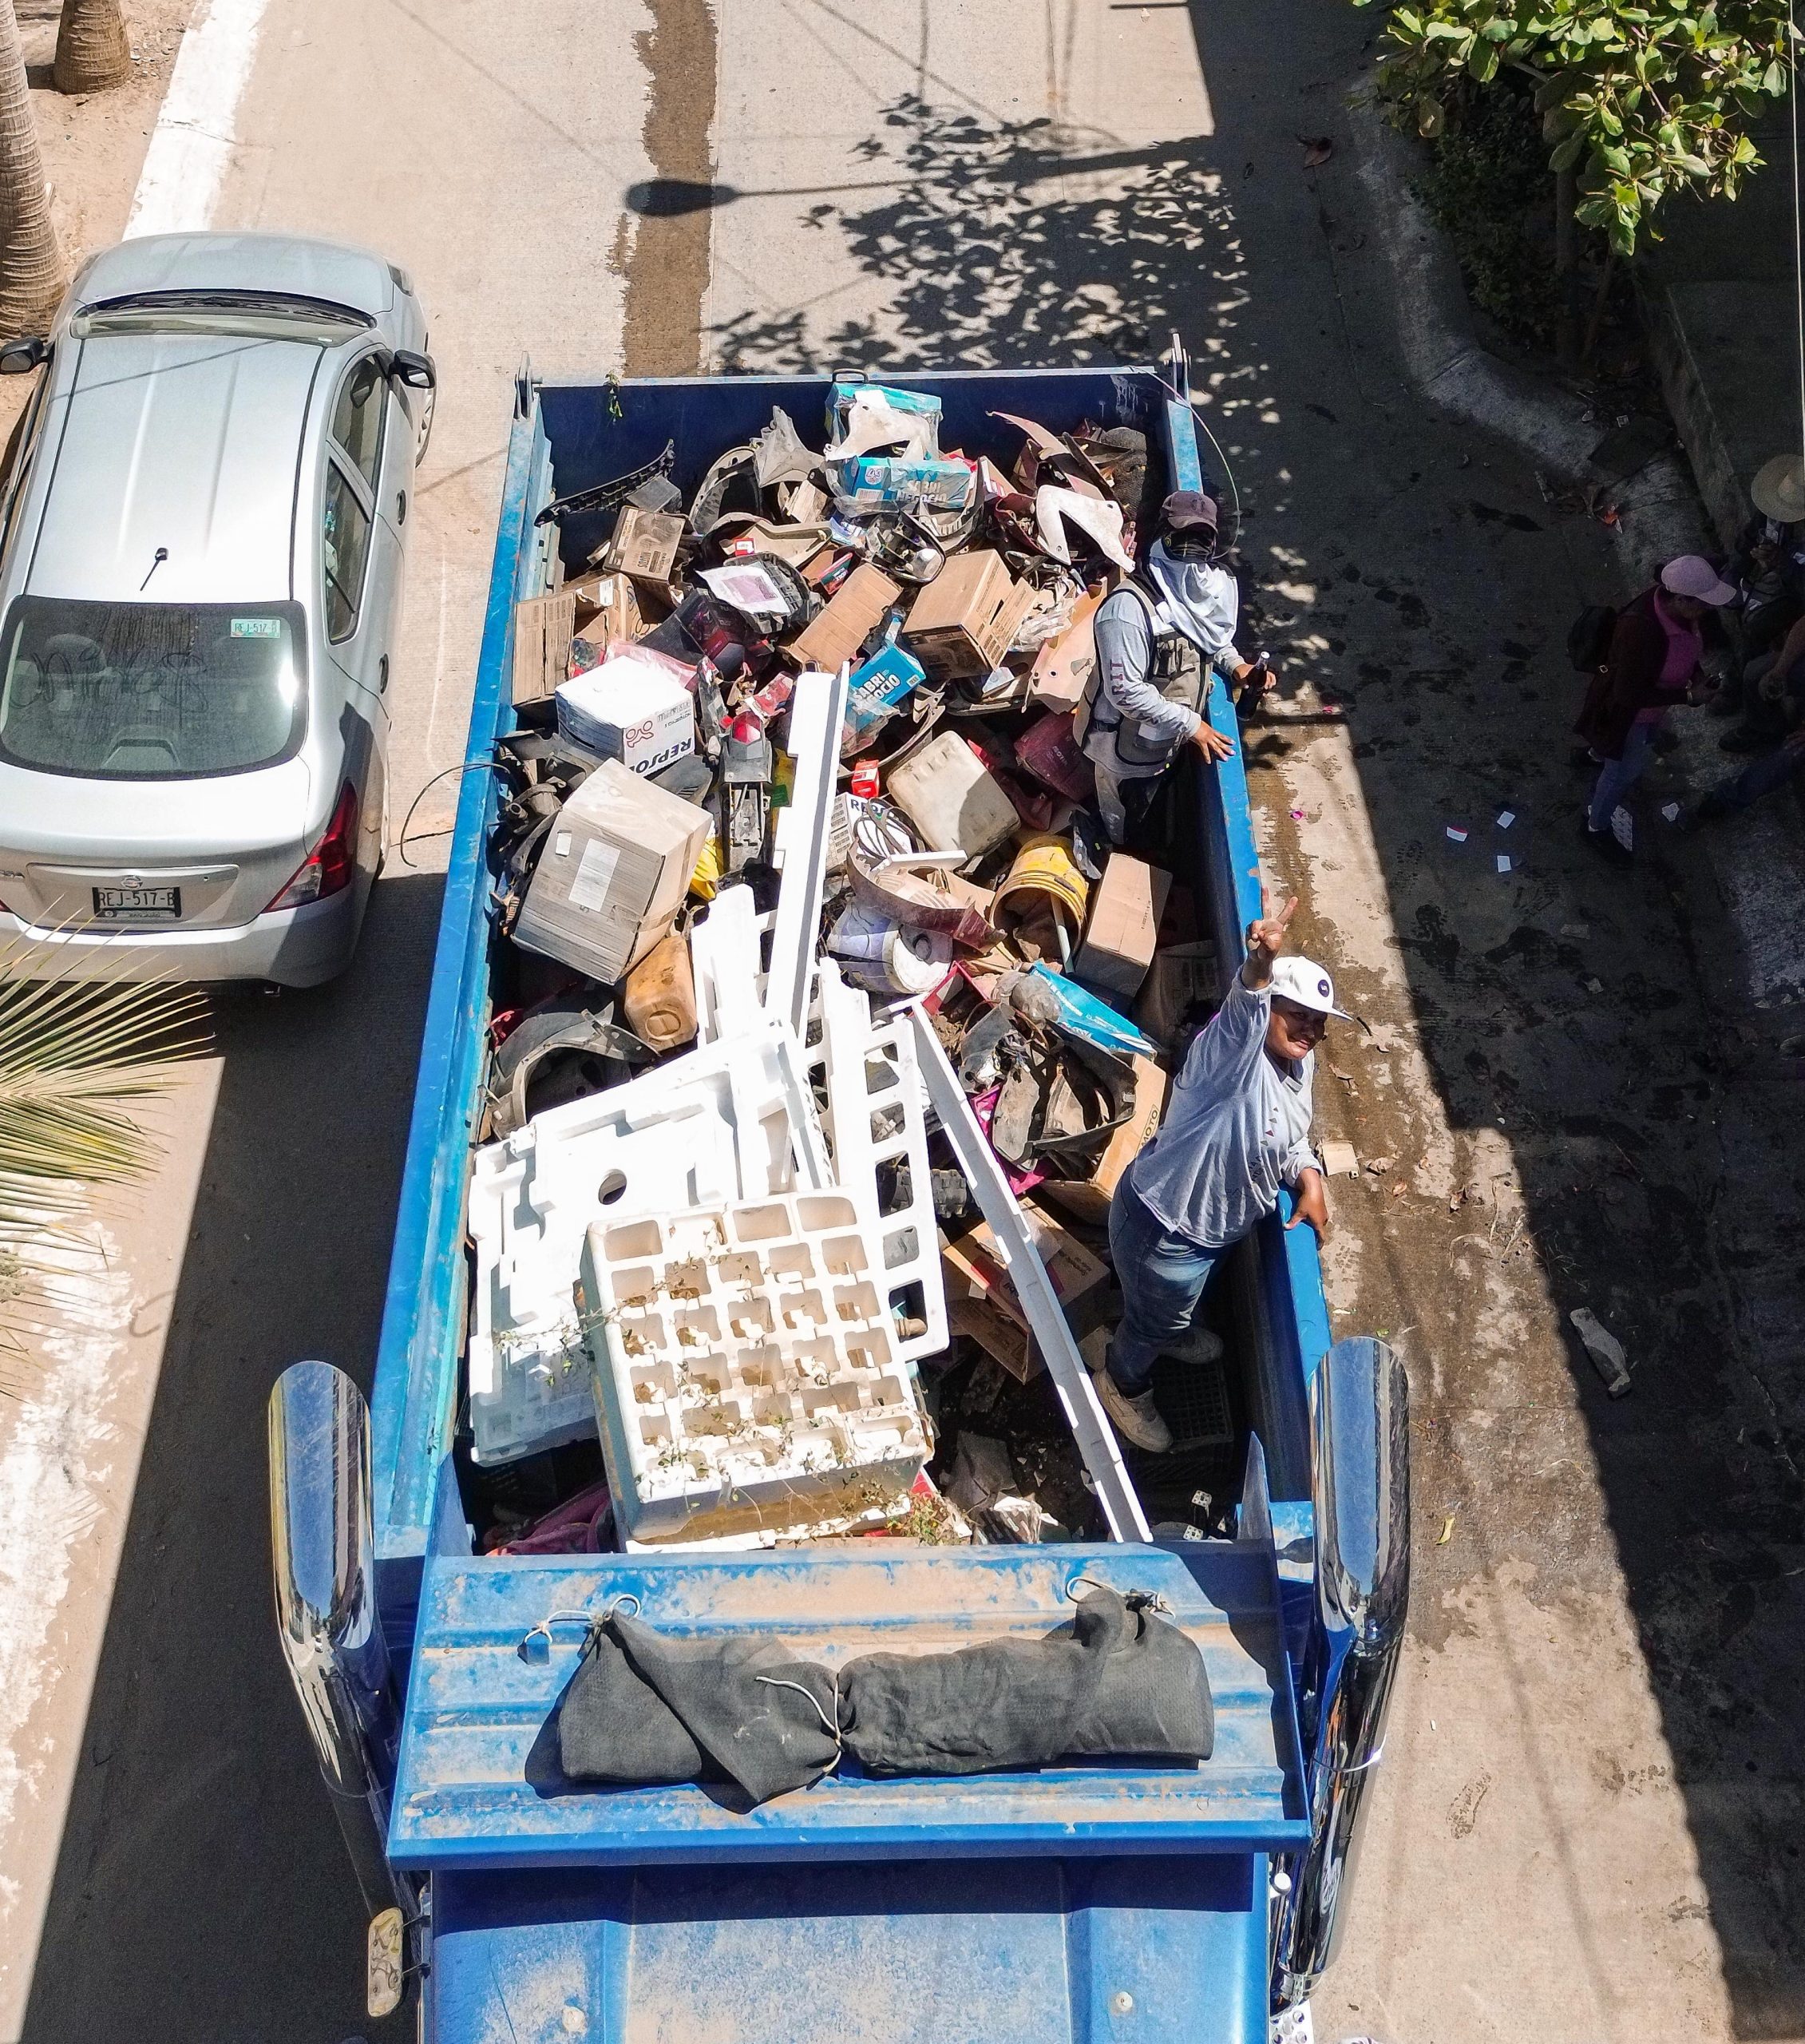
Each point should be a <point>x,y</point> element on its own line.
<point>1304,984</point>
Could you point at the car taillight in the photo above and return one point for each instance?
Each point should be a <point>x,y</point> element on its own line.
<point>333,862</point>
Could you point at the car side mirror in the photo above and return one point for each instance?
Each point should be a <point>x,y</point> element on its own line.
<point>407,365</point>
<point>19,358</point>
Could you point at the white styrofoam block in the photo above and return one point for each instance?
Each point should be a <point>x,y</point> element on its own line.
<point>732,1121</point>
<point>877,1115</point>
<point>746,1370</point>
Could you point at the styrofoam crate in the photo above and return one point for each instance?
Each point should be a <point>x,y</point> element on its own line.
<point>747,1372</point>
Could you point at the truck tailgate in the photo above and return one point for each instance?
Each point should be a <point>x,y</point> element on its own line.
<point>479,1786</point>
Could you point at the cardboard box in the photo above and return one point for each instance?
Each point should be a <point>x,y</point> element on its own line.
<point>608,607</point>
<point>644,544</point>
<point>612,873</point>
<point>846,621</point>
<point>631,710</point>
<point>982,1300</point>
<point>960,625</point>
<point>1088,1200</point>
<point>1182,976</point>
<point>1062,669</point>
<point>543,626</point>
<point>1121,932</point>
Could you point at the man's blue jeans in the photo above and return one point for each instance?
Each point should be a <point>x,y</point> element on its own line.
<point>1162,1276</point>
<point>1760,777</point>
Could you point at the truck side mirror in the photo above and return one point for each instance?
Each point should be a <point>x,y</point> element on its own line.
<point>19,358</point>
<point>1361,1494</point>
<point>416,370</point>
<point>324,1539</point>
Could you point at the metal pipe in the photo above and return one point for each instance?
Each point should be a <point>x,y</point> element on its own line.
<point>1362,1497</point>
<point>322,1539</point>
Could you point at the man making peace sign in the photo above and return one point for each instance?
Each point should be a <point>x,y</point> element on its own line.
<point>1237,1129</point>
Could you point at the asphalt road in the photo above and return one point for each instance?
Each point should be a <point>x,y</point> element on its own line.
<point>1583,1826</point>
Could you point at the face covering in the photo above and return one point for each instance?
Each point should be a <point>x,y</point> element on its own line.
<point>1200,598</point>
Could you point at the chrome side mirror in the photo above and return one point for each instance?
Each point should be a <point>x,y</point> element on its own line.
<point>19,358</point>
<point>1362,1508</point>
<point>407,365</point>
<point>323,1542</point>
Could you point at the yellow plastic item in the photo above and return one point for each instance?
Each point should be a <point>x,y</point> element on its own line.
<point>705,880</point>
<point>1044,866</point>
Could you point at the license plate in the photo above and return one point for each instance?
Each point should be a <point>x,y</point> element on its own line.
<point>130,904</point>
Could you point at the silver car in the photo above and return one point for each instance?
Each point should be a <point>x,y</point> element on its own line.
<point>202,536</point>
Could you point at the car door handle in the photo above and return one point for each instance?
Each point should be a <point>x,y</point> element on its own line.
<point>401,507</point>
<point>382,675</point>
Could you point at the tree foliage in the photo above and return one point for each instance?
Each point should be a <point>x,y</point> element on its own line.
<point>1639,101</point>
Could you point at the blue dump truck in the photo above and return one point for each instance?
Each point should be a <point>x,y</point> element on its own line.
<point>1082,1898</point>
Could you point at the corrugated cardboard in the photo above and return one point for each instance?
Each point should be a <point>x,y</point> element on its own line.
<point>543,626</point>
<point>612,873</point>
<point>606,608</point>
<point>961,624</point>
<point>846,622</point>
<point>1121,931</point>
<point>631,710</point>
<point>1088,1200</point>
<point>982,1300</point>
<point>644,544</point>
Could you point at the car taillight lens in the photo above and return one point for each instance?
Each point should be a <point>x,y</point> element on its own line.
<point>332,864</point>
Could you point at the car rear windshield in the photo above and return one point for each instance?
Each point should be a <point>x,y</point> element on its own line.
<point>150,692</point>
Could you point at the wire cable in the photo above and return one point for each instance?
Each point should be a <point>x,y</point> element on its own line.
<point>463,766</point>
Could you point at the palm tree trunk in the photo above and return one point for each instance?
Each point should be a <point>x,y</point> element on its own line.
<point>32,276</point>
<point>93,51</point>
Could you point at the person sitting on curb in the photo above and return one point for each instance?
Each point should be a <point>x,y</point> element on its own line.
<point>1160,638</point>
<point>1653,662</point>
<point>1773,695</point>
<point>1767,565</point>
<point>1237,1129</point>
<point>1758,777</point>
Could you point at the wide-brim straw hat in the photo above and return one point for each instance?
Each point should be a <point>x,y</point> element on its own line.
<point>1779,489</point>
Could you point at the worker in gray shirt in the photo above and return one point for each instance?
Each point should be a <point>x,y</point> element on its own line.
<point>1160,638</point>
<point>1237,1128</point>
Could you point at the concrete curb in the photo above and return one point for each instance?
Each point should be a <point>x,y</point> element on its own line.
<point>1449,367</point>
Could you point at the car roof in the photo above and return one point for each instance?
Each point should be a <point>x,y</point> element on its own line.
<point>281,263</point>
<point>191,442</point>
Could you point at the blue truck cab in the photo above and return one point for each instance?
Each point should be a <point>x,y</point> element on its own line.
<point>1123,1898</point>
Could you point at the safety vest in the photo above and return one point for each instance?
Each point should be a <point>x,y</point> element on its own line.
<point>1176,671</point>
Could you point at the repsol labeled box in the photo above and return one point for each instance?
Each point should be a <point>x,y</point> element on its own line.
<point>630,710</point>
<point>611,874</point>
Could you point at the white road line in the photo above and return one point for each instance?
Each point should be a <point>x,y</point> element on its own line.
<point>190,147</point>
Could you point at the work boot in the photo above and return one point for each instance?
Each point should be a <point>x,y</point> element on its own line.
<point>1136,1419</point>
<point>1196,1345</point>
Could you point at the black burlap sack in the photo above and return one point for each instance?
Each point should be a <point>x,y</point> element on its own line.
<point>644,1708</point>
<point>1117,1680</point>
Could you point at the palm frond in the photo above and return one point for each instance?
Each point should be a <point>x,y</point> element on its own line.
<point>76,1057</point>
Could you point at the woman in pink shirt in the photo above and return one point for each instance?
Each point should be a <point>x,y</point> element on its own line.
<point>1652,664</point>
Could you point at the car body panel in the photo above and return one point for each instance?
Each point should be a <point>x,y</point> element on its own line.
<point>302,947</point>
<point>190,443</point>
<point>61,836</point>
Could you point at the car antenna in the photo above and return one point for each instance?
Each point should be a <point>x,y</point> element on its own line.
<point>157,560</point>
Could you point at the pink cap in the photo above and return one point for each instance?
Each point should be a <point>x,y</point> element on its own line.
<point>1692,575</point>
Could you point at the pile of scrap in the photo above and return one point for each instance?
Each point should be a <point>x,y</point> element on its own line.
<point>828,1020</point>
